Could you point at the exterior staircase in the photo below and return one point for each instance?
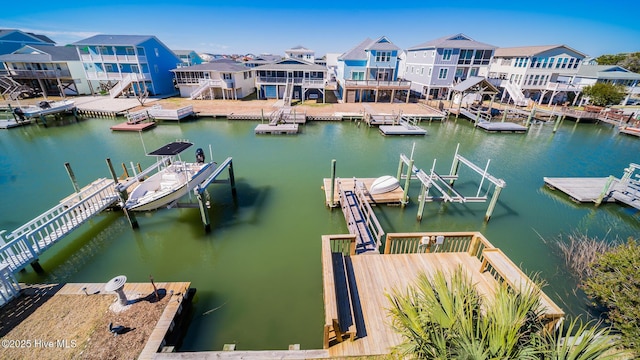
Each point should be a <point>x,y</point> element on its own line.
<point>11,88</point>
<point>514,92</point>
<point>288,92</point>
<point>124,83</point>
<point>204,84</point>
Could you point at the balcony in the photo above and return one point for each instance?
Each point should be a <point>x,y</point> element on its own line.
<point>123,59</point>
<point>377,84</point>
<point>39,74</point>
<point>115,76</point>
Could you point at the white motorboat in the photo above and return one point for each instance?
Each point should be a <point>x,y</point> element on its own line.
<point>44,108</point>
<point>172,182</point>
<point>384,184</point>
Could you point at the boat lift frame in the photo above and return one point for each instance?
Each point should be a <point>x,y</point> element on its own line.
<point>444,183</point>
<point>199,190</point>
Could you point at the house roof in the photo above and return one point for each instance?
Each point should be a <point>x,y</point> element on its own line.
<point>456,41</point>
<point>42,53</point>
<point>359,52</point>
<point>115,40</point>
<point>291,64</point>
<point>613,72</point>
<point>183,52</point>
<point>527,51</point>
<point>476,83</point>
<point>222,65</point>
<point>43,38</point>
<point>299,48</point>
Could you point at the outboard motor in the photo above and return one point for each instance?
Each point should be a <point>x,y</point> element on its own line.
<point>44,105</point>
<point>199,156</point>
<point>19,113</point>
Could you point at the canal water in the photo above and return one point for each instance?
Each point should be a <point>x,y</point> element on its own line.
<point>258,273</point>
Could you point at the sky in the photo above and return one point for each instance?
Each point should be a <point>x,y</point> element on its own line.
<point>257,27</point>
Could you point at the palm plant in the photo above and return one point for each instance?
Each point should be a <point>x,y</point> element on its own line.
<point>446,318</point>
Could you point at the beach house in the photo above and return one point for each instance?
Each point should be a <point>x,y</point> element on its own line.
<point>188,57</point>
<point>535,73</point>
<point>128,64</point>
<point>13,39</point>
<point>591,74</point>
<point>47,70</point>
<point>218,79</point>
<point>290,79</point>
<point>369,72</point>
<point>435,66</point>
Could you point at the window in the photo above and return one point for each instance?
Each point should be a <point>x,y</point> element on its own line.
<point>157,52</point>
<point>442,74</point>
<point>130,51</point>
<point>155,67</point>
<point>425,54</point>
<point>357,75</point>
<point>430,69</point>
<point>422,70</point>
<point>446,54</point>
<point>383,56</point>
<point>412,69</point>
<point>459,72</point>
<point>415,54</point>
<point>465,57</point>
<point>226,76</point>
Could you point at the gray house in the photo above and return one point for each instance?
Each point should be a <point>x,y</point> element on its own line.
<point>434,67</point>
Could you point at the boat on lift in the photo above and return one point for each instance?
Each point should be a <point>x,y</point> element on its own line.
<point>44,108</point>
<point>384,184</point>
<point>173,181</point>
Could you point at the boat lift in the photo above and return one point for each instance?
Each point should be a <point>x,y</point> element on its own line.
<point>444,183</point>
<point>200,190</point>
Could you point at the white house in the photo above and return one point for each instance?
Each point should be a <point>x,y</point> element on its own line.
<point>218,79</point>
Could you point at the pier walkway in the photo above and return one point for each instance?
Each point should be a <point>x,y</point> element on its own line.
<point>24,245</point>
<point>360,217</point>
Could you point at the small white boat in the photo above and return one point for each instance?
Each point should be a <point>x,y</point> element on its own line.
<point>44,108</point>
<point>384,184</point>
<point>172,182</point>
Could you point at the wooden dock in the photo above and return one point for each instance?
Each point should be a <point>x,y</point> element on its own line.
<point>157,112</point>
<point>630,130</point>
<point>392,197</point>
<point>581,189</point>
<point>372,276</point>
<point>140,126</point>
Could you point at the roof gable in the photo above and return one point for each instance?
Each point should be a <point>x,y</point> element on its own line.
<point>115,40</point>
<point>457,41</point>
<point>21,36</point>
<point>528,51</point>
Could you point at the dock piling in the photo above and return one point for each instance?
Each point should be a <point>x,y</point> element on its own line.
<point>333,182</point>
<point>72,176</point>
<point>405,195</point>
<point>604,191</point>
<point>123,196</point>
<point>455,164</point>
<point>492,204</point>
<point>557,124</point>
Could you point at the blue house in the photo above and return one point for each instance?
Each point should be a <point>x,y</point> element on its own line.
<point>12,40</point>
<point>188,58</point>
<point>128,64</point>
<point>369,72</point>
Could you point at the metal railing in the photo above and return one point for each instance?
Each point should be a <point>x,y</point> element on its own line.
<point>377,83</point>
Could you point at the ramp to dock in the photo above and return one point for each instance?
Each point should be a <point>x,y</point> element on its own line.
<point>360,218</point>
<point>24,245</point>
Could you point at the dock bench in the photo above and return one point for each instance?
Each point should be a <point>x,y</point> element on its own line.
<point>339,313</point>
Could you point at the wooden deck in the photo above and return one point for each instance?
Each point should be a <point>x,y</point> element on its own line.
<point>278,129</point>
<point>141,126</point>
<point>375,275</point>
<point>392,197</point>
<point>502,127</point>
<point>402,129</point>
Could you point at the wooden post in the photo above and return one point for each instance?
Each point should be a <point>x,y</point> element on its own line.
<point>333,183</point>
<point>37,267</point>
<point>76,188</point>
<point>504,114</point>
<point>531,114</point>
<point>44,122</point>
<point>492,204</point>
<point>123,196</point>
<point>400,168</point>
<point>204,211</point>
<point>405,195</point>
<point>423,195</point>
<point>557,124</point>
<point>604,191</point>
<point>155,290</point>
<point>232,181</point>
<point>454,166</point>
<point>124,169</point>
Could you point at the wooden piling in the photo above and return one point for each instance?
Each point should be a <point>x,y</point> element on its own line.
<point>333,181</point>
<point>455,164</point>
<point>424,190</point>
<point>232,181</point>
<point>557,124</point>
<point>123,196</point>
<point>74,182</point>
<point>35,264</point>
<point>492,204</point>
<point>405,195</point>
<point>204,212</point>
<point>604,191</point>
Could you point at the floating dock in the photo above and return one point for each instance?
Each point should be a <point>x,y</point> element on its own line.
<point>630,130</point>
<point>601,189</point>
<point>157,112</point>
<point>286,129</point>
<point>505,127</point>
<point>141,126</point>
<point>403,128</point>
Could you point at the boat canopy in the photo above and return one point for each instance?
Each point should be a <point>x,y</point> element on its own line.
<point>171,149</point>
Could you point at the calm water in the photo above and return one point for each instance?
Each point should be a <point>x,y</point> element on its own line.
<point>258,273</point>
